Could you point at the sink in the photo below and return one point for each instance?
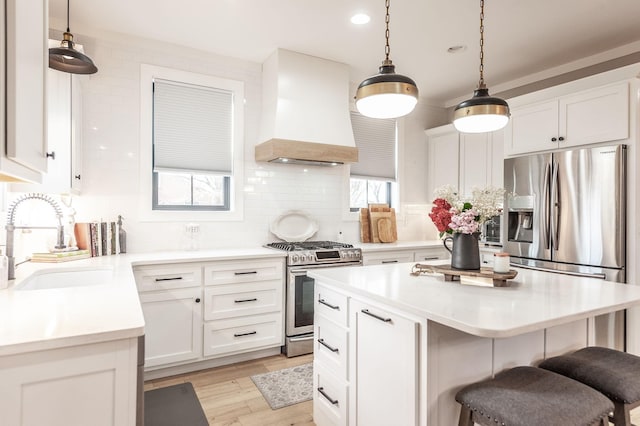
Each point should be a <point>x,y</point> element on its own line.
<point>68,277</point>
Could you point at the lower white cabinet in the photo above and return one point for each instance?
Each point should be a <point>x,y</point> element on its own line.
<point>431,253</point>
<point>235,335</point>
<point>403,256</point>
<point>384,358</point>
<point>79,385</point>
<point>173,326</point>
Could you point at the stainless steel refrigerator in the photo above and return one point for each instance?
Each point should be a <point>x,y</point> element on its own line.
<point>566,212</point>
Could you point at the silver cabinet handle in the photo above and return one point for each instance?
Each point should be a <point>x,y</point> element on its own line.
<point>334,307</point>
<point>326,345</point>
<point>378,317</point>
<point>323,393</point>
<point>245,273</point>
<point>245,300</point>
<point>431,258</point>
<point>245,334</point>
<point>168,279</point>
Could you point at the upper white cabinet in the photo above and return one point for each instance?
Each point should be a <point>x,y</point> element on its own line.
<point>464,160</point>
<point>64,131</point>
<point>590,116</point>
<point>26,62</point>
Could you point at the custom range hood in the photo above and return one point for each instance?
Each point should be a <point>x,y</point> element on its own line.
<point>305,111</point>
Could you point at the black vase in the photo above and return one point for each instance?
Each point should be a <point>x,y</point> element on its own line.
<point>465,252</point>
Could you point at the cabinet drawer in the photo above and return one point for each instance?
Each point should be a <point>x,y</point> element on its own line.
<point>243,271</point>
<point>329,398</point>
<point>223,337</point>
<point>387,257</point>
<point>331,346</point>
<point>331,305</point>
<point>161,277</point>
<point>228,301</point>
<point>431,254</point>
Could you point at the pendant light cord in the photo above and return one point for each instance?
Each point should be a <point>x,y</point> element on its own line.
<point>481,82</point>
<point>387,49</point>
<point>68,30</point>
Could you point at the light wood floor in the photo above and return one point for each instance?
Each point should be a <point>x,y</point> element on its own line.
<point>229,397</point>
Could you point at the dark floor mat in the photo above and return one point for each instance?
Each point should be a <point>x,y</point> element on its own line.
<point>176,405</point>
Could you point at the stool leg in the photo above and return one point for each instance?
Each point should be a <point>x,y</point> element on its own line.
<point>621,415</point>
<point>466,416</point>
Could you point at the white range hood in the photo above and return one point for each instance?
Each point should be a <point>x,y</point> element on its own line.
<point>305,111</point>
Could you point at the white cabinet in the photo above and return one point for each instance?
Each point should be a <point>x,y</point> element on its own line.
<point>386,366</point>
<point>465,160</point>
<point>243,306</point>
<point>385,257</point>
<point>591,116</point>
<point>173,326</point>
<point>431,253</point>
<point>26,63</point>
<point>64,135</point>
<point>91,384</point>
<point>171,299</point>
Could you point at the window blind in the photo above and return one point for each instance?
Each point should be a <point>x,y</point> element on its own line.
<point>192,128</point>
<point>376,142</point>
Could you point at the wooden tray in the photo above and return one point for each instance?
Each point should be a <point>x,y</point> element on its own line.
<point>483,276</point>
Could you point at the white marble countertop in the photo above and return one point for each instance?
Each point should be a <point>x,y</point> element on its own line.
<point>534,300</point>
<point>33,320</point>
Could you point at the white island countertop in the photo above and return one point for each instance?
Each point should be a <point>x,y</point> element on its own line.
<point>33,320</point>
<point>534,300</point>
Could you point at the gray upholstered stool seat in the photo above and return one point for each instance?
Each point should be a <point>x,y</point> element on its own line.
<point>527,396</point>
<point>616,374</point>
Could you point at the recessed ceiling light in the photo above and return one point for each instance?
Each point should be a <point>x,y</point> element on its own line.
<point>457,49</point>
<point>360,19</point>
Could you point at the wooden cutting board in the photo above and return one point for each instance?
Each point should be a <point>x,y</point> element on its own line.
<point>389,226</point>
<point>365,226</point>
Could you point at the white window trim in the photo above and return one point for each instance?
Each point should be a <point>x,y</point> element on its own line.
<point>147,214</point>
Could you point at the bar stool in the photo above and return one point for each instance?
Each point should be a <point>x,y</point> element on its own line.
<point>527,396</point>
<point>615,374</point>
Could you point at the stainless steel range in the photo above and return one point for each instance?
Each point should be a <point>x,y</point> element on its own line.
<point>301,257</point>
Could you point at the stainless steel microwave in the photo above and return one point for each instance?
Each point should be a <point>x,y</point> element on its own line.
<point>492,231</point>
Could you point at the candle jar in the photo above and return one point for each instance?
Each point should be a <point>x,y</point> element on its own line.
<point>501,263</point>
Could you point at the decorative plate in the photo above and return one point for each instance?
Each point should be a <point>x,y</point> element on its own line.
<point>294,226</point>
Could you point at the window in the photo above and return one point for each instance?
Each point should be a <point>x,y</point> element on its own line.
<point>192,146</point>
<point>373,176</point>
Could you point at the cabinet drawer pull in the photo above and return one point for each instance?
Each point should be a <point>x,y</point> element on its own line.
<point>378,317</point>
<point>323,393</point>
<point>168,279</point>
<point>245,334</point>
<point>431,258</point>
<point>245,300</point>
<point>390,261</point>
<point>245,273</point>
<point>334,307</point>
<point>561,138</point>
<point>326,345</point>
<point>553,139</point>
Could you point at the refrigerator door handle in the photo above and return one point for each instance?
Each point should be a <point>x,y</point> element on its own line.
<point>555,205</point>
<point>547,203</point>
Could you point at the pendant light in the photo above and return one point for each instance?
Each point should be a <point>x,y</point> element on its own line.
<point>386,94</point>
<point>67,59</point>
<point>482,113</point>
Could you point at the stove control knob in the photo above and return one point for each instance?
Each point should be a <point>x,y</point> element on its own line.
<point>294,258</point>
<point>309,258</point>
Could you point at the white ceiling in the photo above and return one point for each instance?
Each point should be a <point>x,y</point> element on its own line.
<point>521,37</point>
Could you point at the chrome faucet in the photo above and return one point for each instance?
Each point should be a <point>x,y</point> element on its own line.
<point>10,227</point>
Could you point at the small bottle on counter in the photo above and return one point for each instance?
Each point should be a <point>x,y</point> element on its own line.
<point>501,262</point>
<point>122,236</point>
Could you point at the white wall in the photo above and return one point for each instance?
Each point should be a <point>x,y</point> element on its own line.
<point>111,136</point>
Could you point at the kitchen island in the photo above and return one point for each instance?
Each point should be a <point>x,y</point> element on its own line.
<point>394,348</point>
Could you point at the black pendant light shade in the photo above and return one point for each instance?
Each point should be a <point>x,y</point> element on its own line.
<point>386,94</point>
<point>67,59</point>
<point>482,113</point>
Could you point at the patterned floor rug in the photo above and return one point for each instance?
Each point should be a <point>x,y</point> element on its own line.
<point>286,387</point>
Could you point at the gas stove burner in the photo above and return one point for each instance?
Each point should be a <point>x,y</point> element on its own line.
<point>308,245</point>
